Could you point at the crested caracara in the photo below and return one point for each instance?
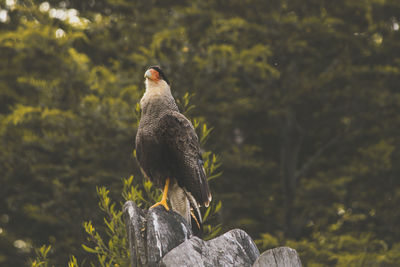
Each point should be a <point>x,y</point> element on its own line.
<point>168,150</point>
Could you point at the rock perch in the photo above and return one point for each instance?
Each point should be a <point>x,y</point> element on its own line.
<point>161,238</point>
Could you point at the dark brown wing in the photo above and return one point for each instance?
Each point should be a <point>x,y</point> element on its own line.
<point>182,150</point>
<point>149,156</point>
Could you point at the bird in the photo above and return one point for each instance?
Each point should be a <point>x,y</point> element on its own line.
<point>168,151</point>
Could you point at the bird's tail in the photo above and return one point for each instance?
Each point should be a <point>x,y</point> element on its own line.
<point>186,205</point>
<point>196,220</point>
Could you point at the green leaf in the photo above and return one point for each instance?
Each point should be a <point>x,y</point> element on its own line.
<point>90,250</point>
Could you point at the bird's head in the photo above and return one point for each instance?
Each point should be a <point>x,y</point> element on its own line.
<point>155,74</point>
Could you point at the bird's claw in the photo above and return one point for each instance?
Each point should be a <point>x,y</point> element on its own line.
<point>163,203</point>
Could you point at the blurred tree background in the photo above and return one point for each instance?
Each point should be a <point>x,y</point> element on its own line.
<point>303,97</point>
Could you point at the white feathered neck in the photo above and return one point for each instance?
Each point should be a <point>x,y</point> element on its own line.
<point>159,88</point>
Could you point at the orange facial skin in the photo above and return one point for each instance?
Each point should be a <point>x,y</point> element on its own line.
<point>152,75</point>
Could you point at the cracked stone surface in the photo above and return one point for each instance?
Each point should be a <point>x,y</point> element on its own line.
<point>234,248</point>
<point>135,220</point>
<point>279,257</point>
<point>165,231</point>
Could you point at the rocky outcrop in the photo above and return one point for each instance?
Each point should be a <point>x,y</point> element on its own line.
<point>234,248</point>
<point>160,238</point>
<point>279,257</point>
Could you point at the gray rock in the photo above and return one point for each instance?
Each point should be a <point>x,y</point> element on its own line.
<point>279,257</point>
<point>163,238</point>
<point>234,248</point>
<point>165,231</point>
<point>154,234</point>
<point>135,226</point>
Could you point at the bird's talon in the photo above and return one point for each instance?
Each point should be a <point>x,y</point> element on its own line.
<point>163,203</point>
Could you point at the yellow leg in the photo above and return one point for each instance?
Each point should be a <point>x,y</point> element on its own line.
<point>164,197</point>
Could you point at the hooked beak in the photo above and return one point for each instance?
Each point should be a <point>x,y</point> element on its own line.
<point>148,74</point>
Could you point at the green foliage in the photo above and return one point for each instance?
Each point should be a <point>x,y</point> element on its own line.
<point>42,259</point>
<point>73,262</point>
<point>302,96</point>
<point>111,249</point>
